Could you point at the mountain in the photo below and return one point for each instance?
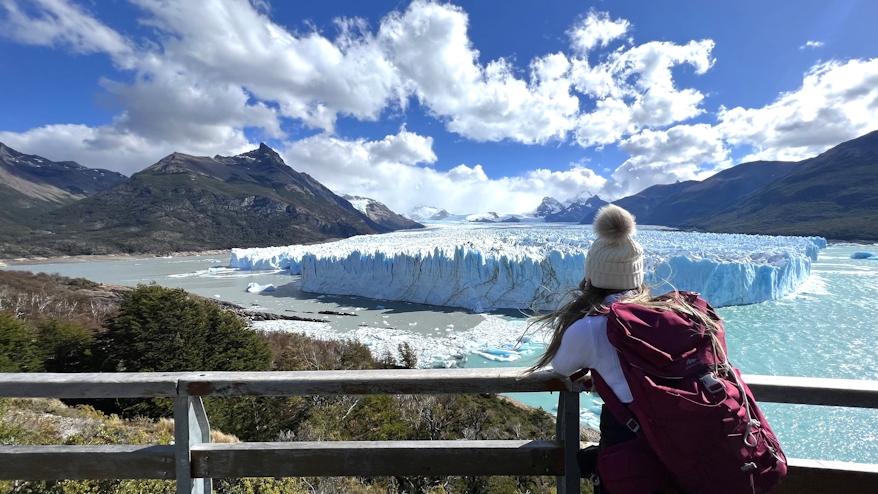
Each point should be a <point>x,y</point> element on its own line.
<point>31,185</point>
<point>381,214</point>
<point>44,180</point>
<point>29,182</point>
<point>677,204</point>
<point>187,203</point>
<point>576,210</point>
<point>422,213</point>
<point>719,191</point>
<point>550,205</point>
<point>642,204</point>
<point>834,195</point>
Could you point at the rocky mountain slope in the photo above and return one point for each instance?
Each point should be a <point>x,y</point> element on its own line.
<point>834,195</point>
<point>381,214</point>
<point>31,185</point>
<point>187,203</point>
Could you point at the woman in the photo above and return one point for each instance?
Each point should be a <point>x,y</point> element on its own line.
<point>614,273</point>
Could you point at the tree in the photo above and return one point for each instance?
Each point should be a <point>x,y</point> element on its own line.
<point>161,329</point>
<point>165,330</point>
<point>64,347</point>
<point>17,350</point>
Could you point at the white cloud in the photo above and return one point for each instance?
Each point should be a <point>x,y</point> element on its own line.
<point>195,87</point>
<point>109,148</point>
<point>837,101</point>
<point>392,170</point>
<point>596,29</point>
<point>632,86</point>
<point>679,153</point>
<point>58,23</point>
<point>812,44</point>
<point>430,47</point>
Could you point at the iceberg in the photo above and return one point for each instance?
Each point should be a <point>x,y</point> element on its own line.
<point>257,288</point>
<point>486,267</point>
<point>862,255</point>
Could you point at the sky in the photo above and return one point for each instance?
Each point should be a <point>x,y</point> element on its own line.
<point>470,106</point>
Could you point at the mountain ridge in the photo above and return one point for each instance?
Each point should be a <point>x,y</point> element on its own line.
<point>834,195</point>
<point>196,203</point>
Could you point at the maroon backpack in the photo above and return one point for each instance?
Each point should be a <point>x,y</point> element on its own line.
<point>698,430</point>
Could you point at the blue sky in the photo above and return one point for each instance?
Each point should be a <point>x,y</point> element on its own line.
<point>470,106</point>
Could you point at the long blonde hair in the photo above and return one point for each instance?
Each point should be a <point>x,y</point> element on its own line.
<point>586,300</point>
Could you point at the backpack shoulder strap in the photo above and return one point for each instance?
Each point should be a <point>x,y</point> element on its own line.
<point>614,404</point>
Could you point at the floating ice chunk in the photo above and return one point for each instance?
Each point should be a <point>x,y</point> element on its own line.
<point>497,358</point>
<point>862,255</point>
<point>379,307</point>
<point>257,288</point>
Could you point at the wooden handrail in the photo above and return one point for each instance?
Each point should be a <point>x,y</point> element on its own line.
<point>776,389</point>
<point>193,462</point>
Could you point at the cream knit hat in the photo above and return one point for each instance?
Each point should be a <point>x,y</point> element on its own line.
<point>614,260</point>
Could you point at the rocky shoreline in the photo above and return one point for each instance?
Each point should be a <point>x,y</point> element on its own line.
<point>105,257</point>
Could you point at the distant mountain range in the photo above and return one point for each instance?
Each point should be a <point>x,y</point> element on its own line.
<point>572,211</point>
<point>181,203</point>
<point>550,210</point>
<point>191,203</point>
<point>834,195</point>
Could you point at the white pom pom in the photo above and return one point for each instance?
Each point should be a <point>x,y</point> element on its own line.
<point>613,223</point>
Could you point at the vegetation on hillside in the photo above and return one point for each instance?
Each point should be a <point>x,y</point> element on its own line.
<point>187,203</point>
<point>46,323</point>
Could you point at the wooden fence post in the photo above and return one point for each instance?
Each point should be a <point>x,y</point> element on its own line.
<point>567,430</point>
<point>190,427</point>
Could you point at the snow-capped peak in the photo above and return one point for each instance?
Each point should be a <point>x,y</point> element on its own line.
<point>550,205</point>
<point>422,213</point>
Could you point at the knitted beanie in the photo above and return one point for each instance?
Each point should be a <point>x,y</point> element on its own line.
<point>614,260</point>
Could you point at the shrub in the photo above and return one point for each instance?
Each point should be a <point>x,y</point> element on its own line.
<point>64,347</point>
<point>165,330</point>
<point>17,350</point>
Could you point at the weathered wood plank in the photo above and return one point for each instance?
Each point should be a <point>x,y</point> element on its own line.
<point>814,391</point>
<point>567,430</point>
<point>402,381</point>
<point>86,462</point>
<point>819,477</point>
<point>375,459</point>
<point>810,391</point>
<point>89,385</point>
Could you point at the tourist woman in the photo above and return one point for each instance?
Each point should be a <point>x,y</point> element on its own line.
<point>656,358</point>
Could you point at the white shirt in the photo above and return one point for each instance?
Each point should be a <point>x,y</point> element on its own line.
<point>585,346</point>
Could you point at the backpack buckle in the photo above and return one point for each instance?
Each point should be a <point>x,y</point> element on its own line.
<point>633,425</point>
<point>712,384</point>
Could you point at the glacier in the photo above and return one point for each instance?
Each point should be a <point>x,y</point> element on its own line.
<point>484,267</point>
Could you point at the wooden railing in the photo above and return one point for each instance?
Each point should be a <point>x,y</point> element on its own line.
<point>193,461</point>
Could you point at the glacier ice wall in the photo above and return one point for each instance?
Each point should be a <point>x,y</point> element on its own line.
<point>489,267</point>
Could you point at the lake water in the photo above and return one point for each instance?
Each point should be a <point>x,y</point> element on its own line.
<point>827,328</point>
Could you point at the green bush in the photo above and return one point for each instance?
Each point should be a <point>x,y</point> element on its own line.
<point>64,347</point>
<point>17,350</point>
<point>160,329</point>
